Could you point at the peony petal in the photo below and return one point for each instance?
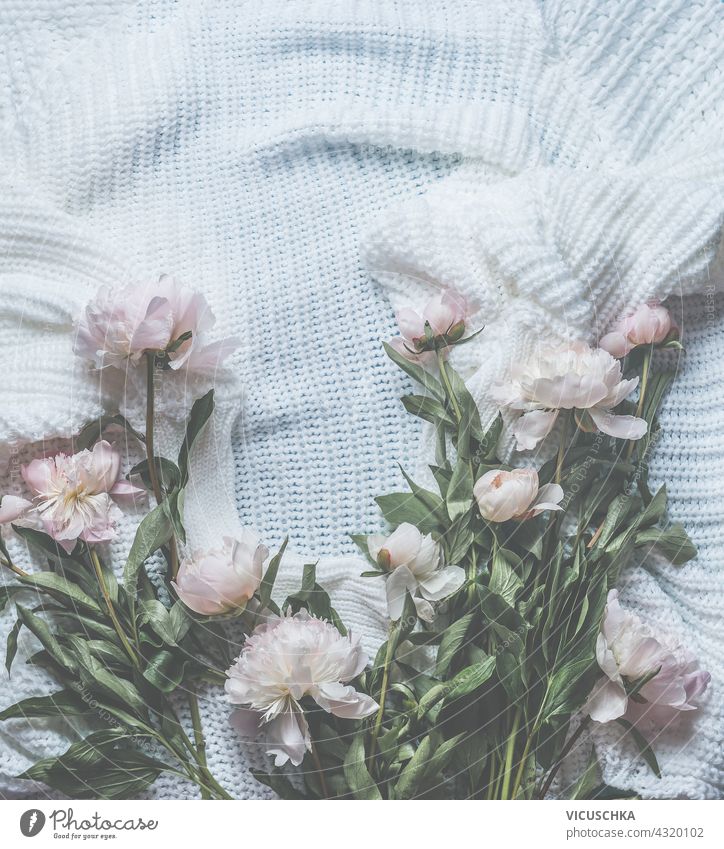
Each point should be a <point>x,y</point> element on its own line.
<point>425,610</point>
<point>622,427</point>
<point>568,391</point>
<point>12,507</point>
<point>608,701</point>
<point>411,324</point>
<point>288,737</point>
<point>124,490</point>
<point>400,581</point>
<point>246,722</point>
<point>616,344</point>
<point>533,427</point>
<point>344,701</point>
<point>548,498</point>
<point>443,583</point>
<point>38,474</point>
<point>210,357</point>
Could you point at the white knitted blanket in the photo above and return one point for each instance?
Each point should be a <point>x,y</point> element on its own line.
<point>554,160</point>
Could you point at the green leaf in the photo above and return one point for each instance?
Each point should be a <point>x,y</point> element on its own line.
<point>470,678</point>
<point>12,644</point>
<point>489,444</point>
<point>459,497</point>
<point>413,775</point>
<point>358,777</point>
<point>566,688</point>
<point>44,542</point>
<point>167,472</point>
<point>427,408</point>
<point>200,413</point>
<point>314,598</point>
<point>60,586</point>
<point>95,768</point>
<point>645,750</point>
<point>400,507</point>
<point>279,783</point>
<point>590,779</point>
<point>62,703</point>
<point>673,542</point>
<point>416,372</point>
<point>50,643</point>
<point>154,531</point>
<point>655,509</point>
<point>158,618</point>
<point>92,432</point>
<point>503,579</point>
<point>6,593</point>
<point>453,639</point>
<point>165,671</point>
<point>267,585</point>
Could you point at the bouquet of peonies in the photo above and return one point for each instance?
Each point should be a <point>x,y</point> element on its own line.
<point>506,636</point>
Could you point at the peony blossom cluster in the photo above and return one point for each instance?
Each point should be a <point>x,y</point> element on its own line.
<point>647,324</point>
<point>569,377</point>
<point>73,496</point>
<point>120,326</point>
<point>222,580</point>
<point>628,651</point>
<point>283,662</point>
<point>502,495</point>
<point>414,563</point>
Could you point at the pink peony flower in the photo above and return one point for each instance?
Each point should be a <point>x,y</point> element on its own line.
<point>121,325</point>
<point>415,565</point>
<point>628,651</point>
<point>569,377</point>
<point>13,508</point>
<point>281,663</point>
<point>648,324</point>
<point>446,314</point>
<point>514,495</point>
<point>222,580</point>
<point>73,494</point>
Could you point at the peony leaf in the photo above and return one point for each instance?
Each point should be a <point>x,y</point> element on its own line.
<point>200,414</point>
<point>673,542</point>
<point>453,639</point>
<point>154,531</point>
<point>416,372</point>
<point>267,585</point>
<point>12,644</point>
<point>645,750</point>
<point>358,777</point>
<point>62,703</point>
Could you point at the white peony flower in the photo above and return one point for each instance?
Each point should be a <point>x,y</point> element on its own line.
<point>415,566</point>
<point>282,662</point>
<point>223,579</point>
<point>628,651</point>
<point>573,376</point>
<point>516,494</point>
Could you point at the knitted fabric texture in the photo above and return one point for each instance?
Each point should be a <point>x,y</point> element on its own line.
<point>555,161</point>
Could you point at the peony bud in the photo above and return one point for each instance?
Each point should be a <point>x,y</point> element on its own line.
<point>441,323</point>
<point>222,580</point>
<point>648,324</point>
<point>514,495</point>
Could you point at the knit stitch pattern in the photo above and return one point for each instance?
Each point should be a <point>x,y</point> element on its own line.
<point>554,161</point>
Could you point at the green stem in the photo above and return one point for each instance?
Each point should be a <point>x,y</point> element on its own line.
<point>645,368</point>
<point>521,767</point>
<point>198,734</point>
<point>509,754</point>
<point>562,446</point>
<point>572,740</point>
<point>448,386</point>
<point>383,694</point>
<point>150,454</point>
<point>109,605</point>
<point>320,771</point>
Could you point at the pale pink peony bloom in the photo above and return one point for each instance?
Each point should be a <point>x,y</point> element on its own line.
<point>121,325</point>
<point>282,662</point>
<point>73,494</point>
<point>222,580</point>
<point>12,508</point>
<point>446,314</point>
<point>648,324</point>
<point>414,563</point>
<point>517,494</point>
<point>628,651</point>
<point>573,376</point>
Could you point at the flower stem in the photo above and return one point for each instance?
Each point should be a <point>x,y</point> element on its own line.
<point>562,446</point>
<point>645,368</point>
<point>320,771</point>
<point>572,740</point>
<point>521,766</point>
<point>109,605</point>
<point>509,753</point>
<point>150,455</point>
<point>198,736</point>
<point>383,694</point>
<point>448,386</point>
